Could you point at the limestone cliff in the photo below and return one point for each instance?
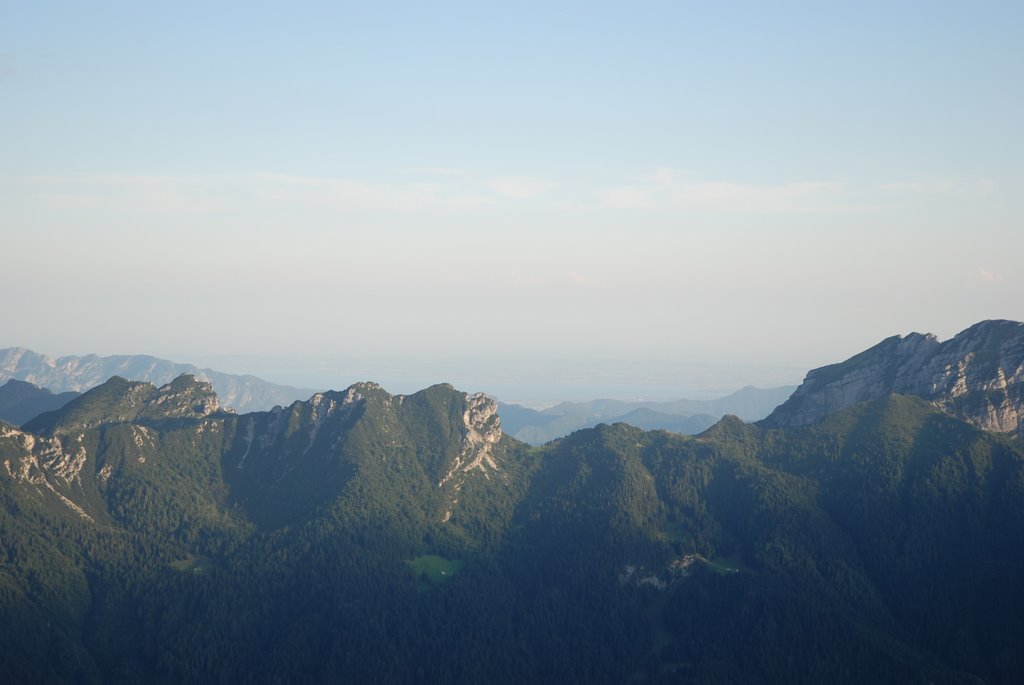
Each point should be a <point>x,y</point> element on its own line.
<point>978,375</point>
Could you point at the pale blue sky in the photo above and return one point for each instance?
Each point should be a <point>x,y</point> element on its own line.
<point>678,196</point>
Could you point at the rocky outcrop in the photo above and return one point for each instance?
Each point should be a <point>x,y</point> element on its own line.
<point>978,376</point>
<point>44,463</point>
<point>184,397</point>
<point>481,431</point>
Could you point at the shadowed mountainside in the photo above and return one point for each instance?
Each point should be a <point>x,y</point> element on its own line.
<point>21,401</point>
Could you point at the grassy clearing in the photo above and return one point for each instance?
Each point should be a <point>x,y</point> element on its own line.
<point>196,565</point>
<point>434,568</point>
<point>730,564</point>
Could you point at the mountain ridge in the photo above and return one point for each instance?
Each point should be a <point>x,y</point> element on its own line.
<point>119,400</point>
<point>686,416</point>
<point>361,536</point>
<point>977,375</point>
<point>153,518</point>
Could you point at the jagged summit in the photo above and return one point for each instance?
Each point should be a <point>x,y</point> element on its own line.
<point>294,458</point>
<point>120,400</point>
<point>978,375</point>
<point>185,396</point>
<point>430,452</point>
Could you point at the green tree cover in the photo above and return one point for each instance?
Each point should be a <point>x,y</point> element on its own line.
<point>885,544</point>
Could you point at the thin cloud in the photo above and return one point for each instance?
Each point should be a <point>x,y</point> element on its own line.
<point>922,187</point>
<point>125,192</point>
<point>943,186</point>
<point>433,171</point>
<point>347,194</point>
<point>210,193</point>
<point>343,194</point>
<point>668,189</point>
<point>520,188</point>
<point>628,197</point>
<point>789,197</point>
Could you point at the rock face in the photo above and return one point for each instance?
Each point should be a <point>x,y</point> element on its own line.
<point>45,463</point>
<point>481,431</point>
<point>242,393</point>
<point>978,376</point>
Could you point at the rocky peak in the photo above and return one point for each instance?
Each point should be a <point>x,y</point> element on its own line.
<point>119,400</point>
<point>978,375</point>
<point>185,396</point>
<point>482,426</point>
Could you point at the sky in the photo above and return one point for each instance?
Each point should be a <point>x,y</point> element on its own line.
<point>545,200</point>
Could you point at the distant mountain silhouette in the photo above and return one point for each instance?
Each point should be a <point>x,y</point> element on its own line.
<point>61,374</point>
<point>21,401</point>
<point>679,416</point>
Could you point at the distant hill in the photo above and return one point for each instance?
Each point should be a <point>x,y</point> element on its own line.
<point>678,416</point>
<point>648,419</point>
<point>978,376</point>
<point>21,401</point>
<point>61,374</point>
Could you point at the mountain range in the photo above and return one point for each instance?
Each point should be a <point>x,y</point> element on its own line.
<point>360,536</point>
<point>678,416</point>
<point>248,393</point>
<point>78,374</point>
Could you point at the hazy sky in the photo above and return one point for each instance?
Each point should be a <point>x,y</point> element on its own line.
<point>681,195</point>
